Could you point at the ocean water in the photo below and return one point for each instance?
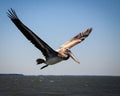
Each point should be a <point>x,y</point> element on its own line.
<point>19,85</point>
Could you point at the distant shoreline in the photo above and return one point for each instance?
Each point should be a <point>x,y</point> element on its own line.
<point>4,74</point>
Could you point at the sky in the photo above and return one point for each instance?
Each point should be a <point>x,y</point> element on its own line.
<point>56,21</point>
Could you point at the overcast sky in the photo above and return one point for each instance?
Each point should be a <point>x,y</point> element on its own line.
<point>56,21</point>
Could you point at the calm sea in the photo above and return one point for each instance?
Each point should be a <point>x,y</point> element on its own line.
<point>19,85</point>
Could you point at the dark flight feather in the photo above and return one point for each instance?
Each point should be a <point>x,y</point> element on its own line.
<point>38,42</point>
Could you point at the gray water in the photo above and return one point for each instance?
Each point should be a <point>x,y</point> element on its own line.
<point>19,85</point>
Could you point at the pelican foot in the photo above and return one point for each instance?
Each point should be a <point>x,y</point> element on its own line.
<point>39,61</point>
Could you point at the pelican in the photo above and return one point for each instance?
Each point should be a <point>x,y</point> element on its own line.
<point>51,56</point>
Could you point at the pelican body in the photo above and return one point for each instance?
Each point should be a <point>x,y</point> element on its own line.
<point>51,56</point>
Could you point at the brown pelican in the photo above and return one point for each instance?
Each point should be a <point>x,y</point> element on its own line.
<point>51,56</point>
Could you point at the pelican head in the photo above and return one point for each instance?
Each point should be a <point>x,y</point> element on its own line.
<point>70,54</point>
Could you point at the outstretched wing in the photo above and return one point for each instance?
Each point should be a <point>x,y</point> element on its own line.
<point>39,43</point>
<point>75,40</point>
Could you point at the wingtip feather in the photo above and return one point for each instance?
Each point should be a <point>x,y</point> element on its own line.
<point>12,14</point>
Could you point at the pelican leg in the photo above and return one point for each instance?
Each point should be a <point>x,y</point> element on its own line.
<point>44,66</point>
